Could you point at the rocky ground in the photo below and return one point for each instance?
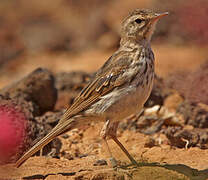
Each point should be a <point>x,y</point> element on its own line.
<point>46,60</point>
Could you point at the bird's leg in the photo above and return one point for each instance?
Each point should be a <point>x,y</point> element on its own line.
<point>41,152</point>
<point>109,130</point>
<point>124,150</point>
<point>112,133</point>
<point>112,159</point>
<point>103,135</point>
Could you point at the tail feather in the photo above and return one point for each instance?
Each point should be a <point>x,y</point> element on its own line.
<point>56,131</point>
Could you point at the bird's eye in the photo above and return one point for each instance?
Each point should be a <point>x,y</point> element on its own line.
<point>138,21</point>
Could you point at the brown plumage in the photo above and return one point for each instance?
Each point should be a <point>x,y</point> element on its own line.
<point>119,88</point>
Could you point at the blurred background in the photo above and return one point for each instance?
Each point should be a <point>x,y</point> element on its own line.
<point>69,35</point>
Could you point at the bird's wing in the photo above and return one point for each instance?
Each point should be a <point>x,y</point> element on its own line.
<point>112,76</point>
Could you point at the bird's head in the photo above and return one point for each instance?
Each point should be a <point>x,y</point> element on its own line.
<point>140,24</point>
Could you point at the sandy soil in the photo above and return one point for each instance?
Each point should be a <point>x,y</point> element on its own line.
<point>160,162</point>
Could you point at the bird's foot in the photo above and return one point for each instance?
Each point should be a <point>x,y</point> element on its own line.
<point>113,162</point>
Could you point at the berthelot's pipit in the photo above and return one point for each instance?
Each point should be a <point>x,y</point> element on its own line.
<point>118,89</point>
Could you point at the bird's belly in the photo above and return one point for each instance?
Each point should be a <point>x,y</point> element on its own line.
<point>130,103</point>
<point>121,103</point>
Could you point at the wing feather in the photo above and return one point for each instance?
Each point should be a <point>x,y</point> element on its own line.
<point>102,83</point>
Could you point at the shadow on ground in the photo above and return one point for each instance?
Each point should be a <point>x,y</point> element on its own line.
<point>144,171</point>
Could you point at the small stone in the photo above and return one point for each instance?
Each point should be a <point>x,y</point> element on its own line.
<point>65,136</point>
<point>83,155</point>
<point>100,162</point>
<point>152,111</point>
<point>173,101</point>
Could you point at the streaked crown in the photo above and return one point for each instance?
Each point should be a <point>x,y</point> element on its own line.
<point>140,24</point>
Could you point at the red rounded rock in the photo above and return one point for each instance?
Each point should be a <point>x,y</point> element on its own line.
<point>13,132</point>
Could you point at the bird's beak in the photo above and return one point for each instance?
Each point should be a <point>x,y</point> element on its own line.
<point>159,15</point>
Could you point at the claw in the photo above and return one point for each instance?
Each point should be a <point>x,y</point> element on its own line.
<point>113,162</point>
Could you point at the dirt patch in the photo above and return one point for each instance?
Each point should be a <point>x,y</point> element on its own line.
<point>154,163</point>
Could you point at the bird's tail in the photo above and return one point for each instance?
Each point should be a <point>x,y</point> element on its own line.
<point>59,129</point>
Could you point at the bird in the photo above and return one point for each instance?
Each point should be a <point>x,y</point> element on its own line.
<point>118,89</point>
